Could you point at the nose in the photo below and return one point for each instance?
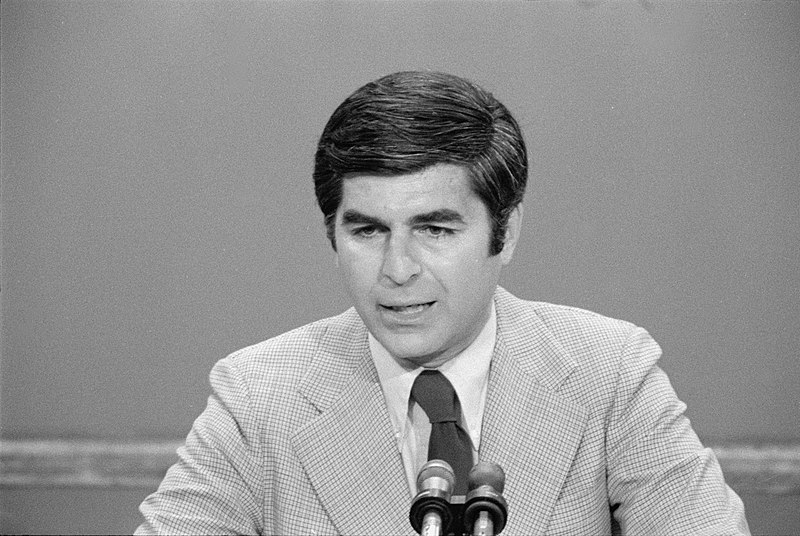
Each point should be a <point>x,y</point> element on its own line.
<point>399,263</point>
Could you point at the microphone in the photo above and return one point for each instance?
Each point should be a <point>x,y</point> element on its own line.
<point>485,508</point>
<point>430,513</point>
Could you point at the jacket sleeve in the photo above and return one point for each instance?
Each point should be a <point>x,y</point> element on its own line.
<point>216,487</point>
<point>661,480</point>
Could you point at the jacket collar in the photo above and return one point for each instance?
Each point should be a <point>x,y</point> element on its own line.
<point>351,456</point>
<point>349,451</point>
<point>530,430</point>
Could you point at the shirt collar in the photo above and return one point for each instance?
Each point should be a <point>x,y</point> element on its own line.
<point>468,372</point>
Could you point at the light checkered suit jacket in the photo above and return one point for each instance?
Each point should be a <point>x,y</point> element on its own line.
<point>296,438</point>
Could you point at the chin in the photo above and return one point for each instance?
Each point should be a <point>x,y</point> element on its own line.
<point>410,353</point>
<point>416,352</point>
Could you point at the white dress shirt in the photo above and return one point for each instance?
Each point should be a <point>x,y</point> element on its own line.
<point>469,374</point>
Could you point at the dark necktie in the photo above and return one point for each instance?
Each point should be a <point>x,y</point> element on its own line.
<point>448,441</point>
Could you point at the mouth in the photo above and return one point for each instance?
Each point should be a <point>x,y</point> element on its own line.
<point>410,309</point>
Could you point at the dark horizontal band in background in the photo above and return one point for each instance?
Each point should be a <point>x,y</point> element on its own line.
<point>762,469</point>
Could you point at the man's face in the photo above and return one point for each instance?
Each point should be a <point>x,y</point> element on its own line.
<point>413,251</point>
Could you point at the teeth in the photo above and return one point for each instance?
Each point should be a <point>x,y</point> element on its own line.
<point>409,309</point>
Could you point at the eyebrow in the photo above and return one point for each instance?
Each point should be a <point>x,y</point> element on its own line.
<point>443,215</point>
<point>354,217</point>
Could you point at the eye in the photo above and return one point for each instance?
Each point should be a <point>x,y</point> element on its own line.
<point>368,231</point>
<point>434,231</point>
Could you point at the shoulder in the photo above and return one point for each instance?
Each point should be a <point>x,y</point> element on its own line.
<point>572,349</point>
<point>577,330</point>
<point>286,357</point>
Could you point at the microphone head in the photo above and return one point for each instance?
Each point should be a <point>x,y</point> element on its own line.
<point>487,474</point>
<point>486,482</point>
<point>435,484</point>
<point>436,474</point>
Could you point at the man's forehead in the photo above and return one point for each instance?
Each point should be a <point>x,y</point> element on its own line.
<point>445,185</point>
<point>445,196</point>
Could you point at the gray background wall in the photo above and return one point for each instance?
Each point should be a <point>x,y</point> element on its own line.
<point>158,210</point>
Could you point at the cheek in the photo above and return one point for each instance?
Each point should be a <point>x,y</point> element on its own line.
<point>355,271</point>
<point>470,276</point>
<point>466,265</point>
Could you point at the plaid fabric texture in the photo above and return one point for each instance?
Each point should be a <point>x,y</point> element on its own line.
<point>296,438</point>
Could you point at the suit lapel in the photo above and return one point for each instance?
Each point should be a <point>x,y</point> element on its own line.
<point>529,429</point>
<point>349,451</point>
<point>351,457</point>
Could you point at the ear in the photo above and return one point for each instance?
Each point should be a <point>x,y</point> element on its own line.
<point>512,234</point>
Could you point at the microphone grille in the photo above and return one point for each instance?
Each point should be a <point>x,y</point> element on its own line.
<point>487,474</point>
<point>436,469</point>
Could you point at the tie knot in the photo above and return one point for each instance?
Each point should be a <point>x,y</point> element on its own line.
<point>435,394</point>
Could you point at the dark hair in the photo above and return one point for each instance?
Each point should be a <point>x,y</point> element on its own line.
<point>408,121</point>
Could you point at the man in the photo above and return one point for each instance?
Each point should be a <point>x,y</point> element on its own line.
<point>322,430</point>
